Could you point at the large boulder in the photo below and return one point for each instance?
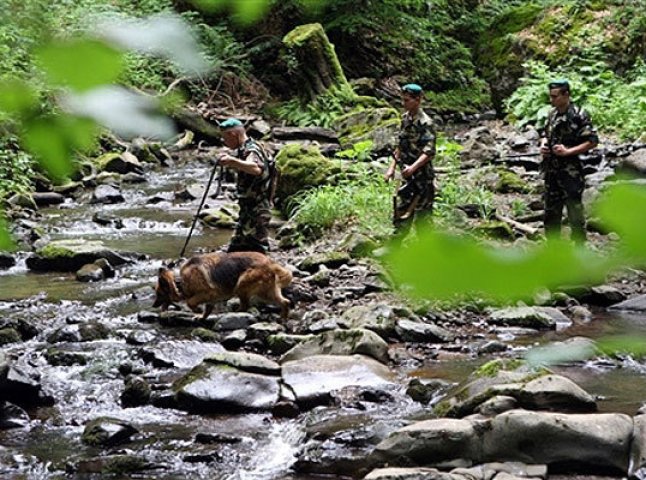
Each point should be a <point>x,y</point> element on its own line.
<point>377,125</point>
<point>341,342</point>
<point>72,254</point>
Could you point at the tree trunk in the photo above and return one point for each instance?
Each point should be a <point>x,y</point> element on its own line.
<point>318,64</point>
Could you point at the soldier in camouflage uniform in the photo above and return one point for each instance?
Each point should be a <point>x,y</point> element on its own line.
<point>253,188</point>
<point>414,155</point>
<point>568,133</point>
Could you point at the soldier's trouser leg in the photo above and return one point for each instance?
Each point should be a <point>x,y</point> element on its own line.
<point>554,202</point>
<point>575,214</point>
<point>403,215</point>
<point>252,232</point>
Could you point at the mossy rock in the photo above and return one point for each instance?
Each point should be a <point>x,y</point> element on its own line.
<point>9,335</point>
<point>329,259</point>
<point>71,254</point>
<point>510,182</point>
<point>379,125</point>
<point>495,230</point>
<point>302,168</point>
<point>107,431</point>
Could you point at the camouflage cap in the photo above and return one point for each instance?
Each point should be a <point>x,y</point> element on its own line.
<point>412,88</point>
<point>230,123</point>
<point>559,83</point>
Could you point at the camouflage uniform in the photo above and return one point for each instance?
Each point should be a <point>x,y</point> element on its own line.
<point>252,232</point>
<point>564,181</point>
<point>417,136</point>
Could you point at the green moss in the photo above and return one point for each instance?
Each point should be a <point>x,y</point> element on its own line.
<point>492,368</point>
<point>124,464</point>
<point>104,159</point>
<point>198,372</point>
<point>9,335</point>
<point>442,408</point>
<point>509,182</point>
<point>55,251</point>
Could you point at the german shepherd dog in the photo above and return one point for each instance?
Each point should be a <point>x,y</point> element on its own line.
<point>215,277</point>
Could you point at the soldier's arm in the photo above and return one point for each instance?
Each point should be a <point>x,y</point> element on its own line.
<point>252,165</point>
<point>428,153</point>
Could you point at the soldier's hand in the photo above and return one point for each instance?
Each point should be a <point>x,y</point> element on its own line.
<point>545,150</point>
<point>225,159</point>
<point>560,150</point>
<point>389,175</point>
<point>408,171</point>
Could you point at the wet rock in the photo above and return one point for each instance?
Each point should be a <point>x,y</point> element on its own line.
<point>634,304</point>
<point>417,331</point>
<point>96,271</point>
<point>107,432</point>
<point>122,163</point>
<point>634,164</point>
<point>533,317</point>
<point>190,192</point>
<point>592,441</point>
<point>496,405</point>
<point>20,383</point>
<point>285,409</point>
<point>312,379</point>
<point>319,134</point>
<point>6,260</point>
<point>107,194</point>
<point>85,332</point>
<point>24,328</point>
<point>603,296</point>
<point>70,255</point>
<point>246,362</point>
<point>23,200</point>
<point>341,342</point>
<point>379,318</point>
<point>425,391</point>
<point>114,465</point>
<point>144,316</point>
<point>234,340</point>
<point>178,354</point>
<point>323,325</point>
<point>492,347</point>
<point>182,318</point>
<point>262,330</point>
<point>44,199</point>
<point>136,392</point>
<point>219,217</point>
<point>12,416</point>
<point>9,335</point>
<point>105,219</point>
<point>161,197</point>
<point>233,321</point>
<point>320,278</point>
<point>283,342</point>
<point>60,357</point>
<point>357,245</point>
<point>204,335</point>
<point>331,260</point>
<point>215,388</point>
<point>140,337</point>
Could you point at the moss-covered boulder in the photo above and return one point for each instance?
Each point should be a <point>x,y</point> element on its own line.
<point>106,432</point>
<point>71,254</point>
<point>378,125</point>
<point>302,168</point>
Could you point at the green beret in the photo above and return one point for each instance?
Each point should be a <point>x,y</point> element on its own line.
<point>230,123</point>
<point>412,88</point>
<point>559,83</point>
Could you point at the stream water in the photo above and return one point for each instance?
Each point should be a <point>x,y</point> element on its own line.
<point>265,447</point>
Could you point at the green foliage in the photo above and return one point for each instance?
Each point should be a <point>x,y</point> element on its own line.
<point>322,112</point>
<point>454,190</point>
<point>461,266</point>
<point>363,202</point>
<point>615,104</point>
<point>360,151</point>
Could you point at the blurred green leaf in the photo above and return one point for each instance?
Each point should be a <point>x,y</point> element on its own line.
<point>441,266</point>
<point>634,345</point>
<point>16,97</point>
<point>621,209</point>
<point>6,243</point>
<point>52,140</point>
<point>81,63</point>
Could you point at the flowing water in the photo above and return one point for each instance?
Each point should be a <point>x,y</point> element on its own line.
<point>265,447</point>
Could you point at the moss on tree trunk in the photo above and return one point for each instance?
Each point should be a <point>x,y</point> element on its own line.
<point>318,63</point>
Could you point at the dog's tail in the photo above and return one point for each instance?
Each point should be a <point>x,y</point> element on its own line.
<point>283,276</point>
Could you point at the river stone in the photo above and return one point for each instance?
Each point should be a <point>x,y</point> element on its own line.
<point>262,330</point>
<point>603,296</point>
<point>319,134</point>
<point>416,331</point>
<point>221,388</point>
<point>6,260</point>
<point>24,328</point>
<point>590,440</point>
<point>420,473</point>
<point>136,392</point>
<point>532,317</point>
<point>341,342</point>
<point>71,254</point>
<point>12,416</point>
<point>313,379</point>
<point>96,271</point>
<point>234,339</point>
<point>634,164</point>
<point>332,260</point>
<point>178,353</point>
<point>233,321</point>
<point>122,163</point>
<point>44,199</point>
<point>283,342</point>
<point>106,431</point>
<point>61,357</point>
<point>380,318</point>
<point>9,335</point>
<point>638,449</point>
<point>246,362</point>
<point>85,332</point>
<point>634,304</point>
<point>107,194</point>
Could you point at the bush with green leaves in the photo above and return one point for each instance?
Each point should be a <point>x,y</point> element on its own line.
<point>616,104</point>
<point>362,201</point>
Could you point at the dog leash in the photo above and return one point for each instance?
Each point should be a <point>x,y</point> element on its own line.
<point>206,192</point>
